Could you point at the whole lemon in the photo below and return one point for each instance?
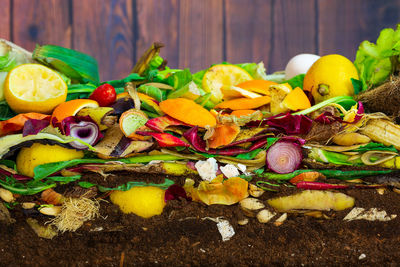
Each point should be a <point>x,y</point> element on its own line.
<point>29,157</point>
<point>330,76</point>
<point>144,201</point>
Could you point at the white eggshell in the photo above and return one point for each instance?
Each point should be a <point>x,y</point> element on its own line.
<point>299,65</point>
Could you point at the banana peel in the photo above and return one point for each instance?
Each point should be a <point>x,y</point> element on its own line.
<point>100,115</point>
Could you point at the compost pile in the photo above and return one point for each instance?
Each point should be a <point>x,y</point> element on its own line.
<point>228,165</point>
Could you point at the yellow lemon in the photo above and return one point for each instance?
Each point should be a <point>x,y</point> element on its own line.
<point>144,201</point>
<point>223,76</point>
<point>29,157</point>
<point>34,88</point>
<point>330,76</point>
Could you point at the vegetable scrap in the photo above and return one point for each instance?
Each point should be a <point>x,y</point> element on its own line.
<point>226,135</point>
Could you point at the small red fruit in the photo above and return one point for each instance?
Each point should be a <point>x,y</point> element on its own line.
<point>105,95</point>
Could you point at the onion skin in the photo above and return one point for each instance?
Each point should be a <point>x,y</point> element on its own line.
<point>284,157</point>
<point>82,127</point>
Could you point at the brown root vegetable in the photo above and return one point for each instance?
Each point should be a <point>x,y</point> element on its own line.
<point>384,98</point>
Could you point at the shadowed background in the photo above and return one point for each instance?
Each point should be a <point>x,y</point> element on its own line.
<point>197,33</point>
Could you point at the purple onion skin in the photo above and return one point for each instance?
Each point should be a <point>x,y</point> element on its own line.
<point>175,192</point>
<point>80,127</point>
<point>33,126</point>
<point>273,154</point>
<point>199,144</point>
<point>18,177</point>
<point>288,123</point>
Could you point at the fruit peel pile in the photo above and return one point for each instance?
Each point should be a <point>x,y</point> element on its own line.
<point>232,126</point>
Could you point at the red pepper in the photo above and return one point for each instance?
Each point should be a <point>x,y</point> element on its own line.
<point>105,95</point>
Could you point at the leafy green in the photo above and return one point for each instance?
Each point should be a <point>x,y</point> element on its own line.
<point>5,111</point>
<point>44,170</point>
<point>133,77</point>
<point>74,64</point>
<point>167,183</point>
<point>179,78</point>
<point>76,91</point>
<point>29,188</point>
<point>357,85</point>
<point>9,163</point>
<point>376,62</point>
<point>156,93</point>
<point>257,71</point>
<point>205,101</point>
<point>198,77</point>
<point>332,157</point>
<point>296,81</point>
<point>64,179</point>
<point>375,146</point>
<point>7,62</point>
<point>249,155</point>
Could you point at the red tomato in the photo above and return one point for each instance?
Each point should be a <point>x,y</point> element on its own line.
<point>105,95</point>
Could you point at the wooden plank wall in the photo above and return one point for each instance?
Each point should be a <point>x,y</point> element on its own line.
<point>197,33</point>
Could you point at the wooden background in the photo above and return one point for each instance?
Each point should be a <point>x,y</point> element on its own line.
<point>197,33</point>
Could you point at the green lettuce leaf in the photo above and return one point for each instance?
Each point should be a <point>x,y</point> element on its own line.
<point>167,183</point>
<point>375,62</point>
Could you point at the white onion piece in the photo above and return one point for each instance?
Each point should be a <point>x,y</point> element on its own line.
<point>284,157</point>
<point>86,131</point>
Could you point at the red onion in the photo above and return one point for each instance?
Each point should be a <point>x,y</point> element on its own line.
<point>86,131</point>
<point>82,127</point>
<point>284,157</point>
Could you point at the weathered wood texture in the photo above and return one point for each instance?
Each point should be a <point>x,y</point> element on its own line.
<point>5,19</point>
<point>197,33</point>
<point>40,21</point>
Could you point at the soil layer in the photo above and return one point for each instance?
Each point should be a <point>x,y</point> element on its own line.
<point>183,235</point>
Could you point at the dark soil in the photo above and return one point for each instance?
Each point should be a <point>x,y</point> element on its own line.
<point>183,236</point>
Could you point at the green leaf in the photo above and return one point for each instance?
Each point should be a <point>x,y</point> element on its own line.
<point>249,155</point>
<point>167,183</point>
<point>44,170</point>
<point>206,155</point>
<point>30,188</point>
<point>9,163</point>
<point>74,64</point>
<point>257,71</point>
<point>357,85</point>
<point>179,78</point>
<point>5,111</point>
<point>156,93</point>
<point>296,81</point>
<point>64,179</point>
<point>373,60</point>
<point>133,77</point>
<point>375,146</point>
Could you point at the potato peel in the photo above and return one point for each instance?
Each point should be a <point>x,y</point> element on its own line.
<point>312,200</point>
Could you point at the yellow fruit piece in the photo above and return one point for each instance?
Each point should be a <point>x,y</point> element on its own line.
<point>34,88</point>
<point>144,201</point>
<point>237,92</point>
<point>312,200</point>
<point>296,100</point>
<point>330,76</point>
<point>30,157</point>
<point>278,93</point>
<point>225,76</point>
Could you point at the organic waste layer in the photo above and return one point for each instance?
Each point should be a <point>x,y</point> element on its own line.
<point>184,235</point>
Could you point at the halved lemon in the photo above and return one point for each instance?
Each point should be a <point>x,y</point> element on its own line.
<point>225,76</point>
<point>71,108</point>
<point>34,88</point>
